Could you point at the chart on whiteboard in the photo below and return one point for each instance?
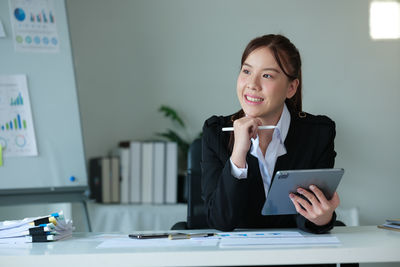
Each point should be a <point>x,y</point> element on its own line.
<point>17,134</point>
<point>34,26</point>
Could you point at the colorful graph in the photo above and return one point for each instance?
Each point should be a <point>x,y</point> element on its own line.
<point>42,17</point>
<point>20,140</point>
<point>19,14</point>
<point>18,101</point>
<point>14,124</point>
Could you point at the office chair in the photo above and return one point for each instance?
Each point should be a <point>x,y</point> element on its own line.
<point>196,217</point>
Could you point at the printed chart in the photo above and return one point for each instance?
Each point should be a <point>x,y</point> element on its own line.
<point>17,135</point>
<point>34,25</point>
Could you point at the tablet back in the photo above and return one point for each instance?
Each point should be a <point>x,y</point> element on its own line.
<point>285,182</point>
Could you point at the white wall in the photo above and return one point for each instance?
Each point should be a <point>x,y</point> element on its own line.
<point>132,56</point>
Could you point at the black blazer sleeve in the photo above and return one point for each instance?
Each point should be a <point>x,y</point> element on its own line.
<point>221,191</point>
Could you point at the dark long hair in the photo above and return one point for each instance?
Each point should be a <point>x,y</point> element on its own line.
<point>288,58</point>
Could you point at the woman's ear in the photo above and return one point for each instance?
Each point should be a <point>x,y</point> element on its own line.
<point>292,89</point>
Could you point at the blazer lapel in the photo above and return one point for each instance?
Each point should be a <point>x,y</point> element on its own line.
<point>285,162</point>
<point>254,174</point>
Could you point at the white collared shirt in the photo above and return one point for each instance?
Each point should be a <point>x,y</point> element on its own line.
<point>275,149</point>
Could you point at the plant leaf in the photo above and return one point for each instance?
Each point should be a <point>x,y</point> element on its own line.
<point>170,112</point>
<point>174,137</point>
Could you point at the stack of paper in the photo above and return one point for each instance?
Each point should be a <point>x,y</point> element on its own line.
<point>38,229</point>
<point>393,224</point>
<point>272,238</point>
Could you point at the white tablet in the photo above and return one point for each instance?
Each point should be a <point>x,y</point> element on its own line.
<point>285,182</point>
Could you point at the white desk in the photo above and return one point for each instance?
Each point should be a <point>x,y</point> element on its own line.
<point>359,244</point>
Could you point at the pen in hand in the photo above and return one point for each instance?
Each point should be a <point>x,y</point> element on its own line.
<point>262,127</point>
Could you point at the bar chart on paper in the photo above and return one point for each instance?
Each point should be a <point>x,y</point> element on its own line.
<point>17,135</point>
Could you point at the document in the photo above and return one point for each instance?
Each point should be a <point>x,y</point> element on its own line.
<point>250,234</point>
<point>34,26</point>
<point>17,134</point>
<point>38,229</point>
<point>126,242</point>
<point>314,240</point>
<point>227,240</point>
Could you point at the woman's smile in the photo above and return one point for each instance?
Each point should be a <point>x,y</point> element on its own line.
<point>253,100</point>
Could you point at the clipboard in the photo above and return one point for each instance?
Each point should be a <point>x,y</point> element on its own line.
<point>285,182</point>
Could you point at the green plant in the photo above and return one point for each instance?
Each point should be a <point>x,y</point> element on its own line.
<point>174,136</point>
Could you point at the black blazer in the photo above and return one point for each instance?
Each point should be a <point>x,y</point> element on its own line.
<point>237,203</point>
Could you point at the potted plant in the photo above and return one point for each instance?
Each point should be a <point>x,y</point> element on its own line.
<point>183,146</point>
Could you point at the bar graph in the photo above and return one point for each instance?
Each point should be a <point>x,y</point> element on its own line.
<point>14,124</point>
<point>17,134</point>
<point>18,101</point>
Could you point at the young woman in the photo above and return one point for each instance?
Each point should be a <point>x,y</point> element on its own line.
<point>238,167</point>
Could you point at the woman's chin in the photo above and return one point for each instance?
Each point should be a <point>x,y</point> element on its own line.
<point>252,112</point>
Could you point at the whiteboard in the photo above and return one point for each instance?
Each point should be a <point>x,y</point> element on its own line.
<point>55,112</point>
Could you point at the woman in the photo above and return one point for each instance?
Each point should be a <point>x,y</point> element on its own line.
<point>238,167</point>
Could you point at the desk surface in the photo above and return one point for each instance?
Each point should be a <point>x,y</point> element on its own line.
<point>358,244</point>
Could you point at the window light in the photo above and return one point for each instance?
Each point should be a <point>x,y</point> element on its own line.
<point>384,20</point>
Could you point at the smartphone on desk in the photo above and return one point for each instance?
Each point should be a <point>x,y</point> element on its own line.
<point>149,236</point>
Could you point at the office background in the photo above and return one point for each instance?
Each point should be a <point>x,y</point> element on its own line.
<point>131,56</point>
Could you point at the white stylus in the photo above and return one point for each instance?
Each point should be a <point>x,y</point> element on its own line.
<point>262,127</point>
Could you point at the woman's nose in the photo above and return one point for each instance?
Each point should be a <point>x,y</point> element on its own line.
<point>253,83</point>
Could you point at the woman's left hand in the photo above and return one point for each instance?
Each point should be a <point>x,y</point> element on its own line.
<point>320,210</point>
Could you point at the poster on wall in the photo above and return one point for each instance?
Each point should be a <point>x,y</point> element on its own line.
<point>17,134</point>
<point>34,26</point>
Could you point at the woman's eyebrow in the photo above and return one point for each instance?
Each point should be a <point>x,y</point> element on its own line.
<point>272,69</point>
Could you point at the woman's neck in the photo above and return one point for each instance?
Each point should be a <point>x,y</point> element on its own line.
<point>265,136</point>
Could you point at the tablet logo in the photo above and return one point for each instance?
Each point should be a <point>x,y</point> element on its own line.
<point>283,175</point>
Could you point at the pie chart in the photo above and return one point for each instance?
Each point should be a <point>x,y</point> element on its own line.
<point>19,14</point>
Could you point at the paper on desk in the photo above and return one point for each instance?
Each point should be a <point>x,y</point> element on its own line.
<point>127,242</point>
<point>100,237</point>
<point>313,240</point>
<point>265,234</point>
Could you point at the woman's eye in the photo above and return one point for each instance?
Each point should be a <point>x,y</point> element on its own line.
<point>246,71</point>
<point>267,76</point>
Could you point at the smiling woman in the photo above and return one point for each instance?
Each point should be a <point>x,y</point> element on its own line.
<point>238,167</point>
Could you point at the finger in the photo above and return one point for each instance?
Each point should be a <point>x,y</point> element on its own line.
<point>335,201</point>
<point>318,193</point>
<point>299,209</point>
<point>255,128</point>
<point>310,196</point>
<point>304,203</point>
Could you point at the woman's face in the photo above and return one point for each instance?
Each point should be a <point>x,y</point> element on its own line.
<point>262,87</point>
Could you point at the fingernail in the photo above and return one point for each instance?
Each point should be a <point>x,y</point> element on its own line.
<point>300,190</point>
<point>312,187</point>
<point>291,196</point>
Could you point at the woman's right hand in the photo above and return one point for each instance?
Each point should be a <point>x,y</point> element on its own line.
<point>244,129</point>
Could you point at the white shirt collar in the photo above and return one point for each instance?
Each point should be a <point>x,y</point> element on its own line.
<point>275,149</point>
<point>280,132</point>
<point>283,124</point>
